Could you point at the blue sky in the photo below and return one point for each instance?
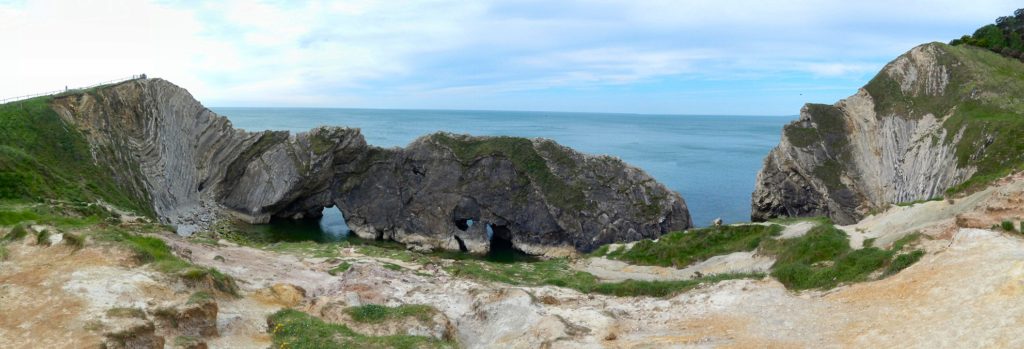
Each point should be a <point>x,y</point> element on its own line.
<point>671,57</point>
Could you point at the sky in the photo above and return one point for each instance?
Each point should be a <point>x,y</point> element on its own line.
<point>633,56</point>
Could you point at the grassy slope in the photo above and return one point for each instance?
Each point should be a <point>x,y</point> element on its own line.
<point>42,157</point>
<point>679,249</point>
<point>89,220</point>
<point>820,259</point>
<point>983,97</point>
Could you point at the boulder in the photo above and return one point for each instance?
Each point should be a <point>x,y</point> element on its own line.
<point>131,333</point>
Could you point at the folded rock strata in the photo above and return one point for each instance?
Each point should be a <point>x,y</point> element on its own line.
<point>441,191</point>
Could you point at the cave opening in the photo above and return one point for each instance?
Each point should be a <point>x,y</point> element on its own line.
<point>464,224</point>
<point>502,249</point>
<point>332,223</point>
<point>329,226</point>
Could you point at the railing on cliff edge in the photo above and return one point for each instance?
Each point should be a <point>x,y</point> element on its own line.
<point>115,81</point>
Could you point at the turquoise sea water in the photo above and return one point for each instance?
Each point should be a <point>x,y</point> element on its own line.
<point>711,160</point>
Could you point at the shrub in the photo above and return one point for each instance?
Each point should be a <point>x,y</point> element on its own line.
<point>74,241</point>
<point>43,238</point>
<point>17,233</point>
<point>1007,226</point>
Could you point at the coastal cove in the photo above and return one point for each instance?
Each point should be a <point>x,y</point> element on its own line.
<point>710,159</point>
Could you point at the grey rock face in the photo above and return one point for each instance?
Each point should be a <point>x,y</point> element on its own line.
<point>542,197</point>
<point>846,159</point>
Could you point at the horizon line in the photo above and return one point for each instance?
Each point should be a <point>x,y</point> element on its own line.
<point>507,111</point>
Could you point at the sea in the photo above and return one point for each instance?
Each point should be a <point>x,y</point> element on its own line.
<point>711,160</point>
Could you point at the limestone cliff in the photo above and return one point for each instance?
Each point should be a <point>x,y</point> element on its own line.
<point>937,119</point>
<point>192,164</point>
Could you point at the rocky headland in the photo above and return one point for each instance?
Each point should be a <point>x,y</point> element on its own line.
<point>937,121</point>
<point>442,191</point>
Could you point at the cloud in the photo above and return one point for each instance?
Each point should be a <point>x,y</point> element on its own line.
<point>444,53</point>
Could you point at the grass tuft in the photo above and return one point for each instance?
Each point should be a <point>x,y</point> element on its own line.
<point>126,313</point>
<point>17,233</point>
<point>341,268</point>
<point>151,250</point>
<point>74,241</point>
<point>1007,226</point>
<point>373,313</point>
<point>200,297</point>
<point>680,249</point>
<point>297,330</point>
<point>903,261</point>
<point>43,238</point>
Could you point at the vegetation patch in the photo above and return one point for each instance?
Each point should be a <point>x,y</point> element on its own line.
<point>522,154</point>
<point>188,342</point>
<point>41,156</point>
<point>17,233</point>
<point>915,202</point>
<point>126,313</point>
<point>1005,37</point>
<point>906,240</point>
<point>823,259</point>
<point>61,214</point>
<point>43,238</point>
<point>558,272</point>
<point>372,313</point>
<point>200,297</point>
<point>73,240</point>
<point>153,251</point>
<point>1007,226</point>
<point>680,249</point>
<point>903,261</point>
<point>392,266</point>
<point>341,268</point>
<point>294,329</point>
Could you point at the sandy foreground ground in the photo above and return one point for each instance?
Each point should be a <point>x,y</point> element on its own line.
<point>967,291</point>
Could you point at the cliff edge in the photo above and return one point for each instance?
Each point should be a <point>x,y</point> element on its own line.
<point>441,191</point>
<point>938,120</point>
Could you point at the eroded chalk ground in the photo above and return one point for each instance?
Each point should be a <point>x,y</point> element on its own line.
<point>966,291</point>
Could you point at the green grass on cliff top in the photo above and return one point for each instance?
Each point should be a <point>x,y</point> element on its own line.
<point>680,249</point>
<point>525,158</point>
<point>984,98</point>
<point>41,157</point>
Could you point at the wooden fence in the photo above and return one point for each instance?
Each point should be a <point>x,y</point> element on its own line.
<point>18,98</point>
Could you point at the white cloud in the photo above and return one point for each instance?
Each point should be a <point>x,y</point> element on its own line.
<point>399,53</point>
